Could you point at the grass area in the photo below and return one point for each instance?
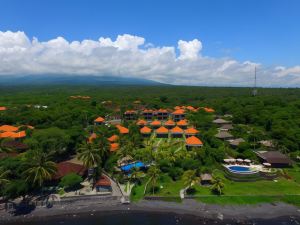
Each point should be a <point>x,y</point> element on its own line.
<point>242,200</point>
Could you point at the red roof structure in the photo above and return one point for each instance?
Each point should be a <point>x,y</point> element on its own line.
<point>156,123</point>
<point>99,120</point>
<point>169,123</point>
<point>113,138</point>
<point>193,141</point>
<point>182,123</point>
<point>103,181</point>
<point>65,168</point>
<point>3,108</point>
<point>114,147</point>
<point>122,130</point>
<point>178,112</point>
<point>176,130</point>
<point>145,130</point>
<point>142,123</point>
<point>191,131</point>
<point>162,130</point>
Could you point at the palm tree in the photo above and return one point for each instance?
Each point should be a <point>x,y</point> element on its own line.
<point>154,174</point>
<point>103,147</point>
<point>3,177</point>
<point>89,154</point>
<point>190,178</point>
<point>40,168</point>
<point>217,185</point>
<point>135,175</point>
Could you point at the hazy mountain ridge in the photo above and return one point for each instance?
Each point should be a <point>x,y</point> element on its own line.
<point>74,80</point>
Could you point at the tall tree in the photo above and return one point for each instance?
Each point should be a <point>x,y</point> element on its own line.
<point>40,168</point>
<point>190,178</point>
<point>153,173</point>
<point>217,185</point>
<point>89,154</point>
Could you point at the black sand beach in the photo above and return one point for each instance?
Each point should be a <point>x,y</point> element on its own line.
<point>230,214</point>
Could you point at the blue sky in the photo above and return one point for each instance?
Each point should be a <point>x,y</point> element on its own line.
<point>265,32</point>
<point>259,30</point>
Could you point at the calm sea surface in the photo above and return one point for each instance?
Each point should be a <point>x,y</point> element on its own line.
<point>147,218</point>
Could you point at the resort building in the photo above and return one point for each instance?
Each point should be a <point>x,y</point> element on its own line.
<point>236,142</point>
<point>130,115</point>
<point>66,167</point>
<point>220,121</point>
<point>148,114</point>
<point>141,123</point>
<point>162,132</point>
<point>145,131</point>
<point>178,115</point>
<point>103,184</point>
<point>13,135</point>
<point>226,127</point>
<point>122,130</point>
<point>176,132</point>
<point>275,158</point>
<point>3,108</point>
<point>113,138</point>
<point>224,135</point>
<point>162,114</point>
<point>92,137</point>
<point>193,142</point>
<point>206,179</point>
<point>155,124</point>
<point>182,124</point>
<point>169,124</point>
<point>191,132</point>
<point>114,147</point>
<point>8,128</point>
<point>100,120</point>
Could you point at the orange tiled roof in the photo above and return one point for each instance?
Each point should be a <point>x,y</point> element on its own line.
<point>122,130</point>
<point>190,108</point>
<point>162,111</point>
<point>162,130</point>
<point>114,147</point>
<point>177,107</point>
<point>92,137</point>
<point>10,134</point>
<point>8,128</point>
<point>176,130</point>
<point>208,109</point>
<point>182,123</point>
<point>99,119</point>
<point>170,123</point>
<point>193,141</point>
<point>3,108</point>
<point>156,123</point>
<point>178,112</point>
<point>145,130</point>
<point>141,122</point>
<point>191,131</point>
<point>113,138</point>
<point>130,112</point>
<point>147,111</point>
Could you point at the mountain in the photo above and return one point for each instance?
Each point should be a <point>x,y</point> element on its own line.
<point>75,80</point>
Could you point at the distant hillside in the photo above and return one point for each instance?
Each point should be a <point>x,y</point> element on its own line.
<point>74,80</point>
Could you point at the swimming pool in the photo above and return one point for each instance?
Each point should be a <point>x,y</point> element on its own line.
<point>241,169</point>
<point>128,167</point>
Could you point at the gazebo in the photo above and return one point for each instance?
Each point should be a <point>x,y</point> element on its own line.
<point>155,124</point>
<point>141,123</point>
<point>169,124</point>
<point>145,131</point>
<point>100,120</point>
<point>191,132</point>
<point>182,123</point>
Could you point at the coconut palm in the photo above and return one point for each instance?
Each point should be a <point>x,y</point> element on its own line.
<point>190,178</point>
<point>40,168</point>
<point>3,177</point>
<point>135,175</point>
<point>217,185</point>
<point>153,173</point>
<point>89,154</point>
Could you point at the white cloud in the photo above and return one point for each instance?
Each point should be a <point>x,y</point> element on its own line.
<point>130,55</point>
<point>189,49</point>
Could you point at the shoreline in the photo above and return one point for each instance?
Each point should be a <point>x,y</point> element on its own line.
<point>187,207</point>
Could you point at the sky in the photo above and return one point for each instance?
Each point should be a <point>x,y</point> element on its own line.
<point>190,42</point>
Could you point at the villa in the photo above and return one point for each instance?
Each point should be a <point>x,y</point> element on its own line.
<point>113,138</point>
<point>130,115</point>
<point>148,114</point>
<point>226,127</point>
<point>275,158</point>
<point>103,184</point>
<point>100,120</point>
<point>141,123</point>
<point>176,132</point>
<point>169,124</point>
<point>191,132</point>
<point>193,142</point>
<point>224,135</point>
<point>145,131</point>
<point>220,121</point>
<point>64,168</point>
<point>92,137</point>
<point>178,115</point>
<point>122,130</point>
<point>236,142</point>
<point>182,124</point>
<point>114,147</point>
<point>162,132</point>
<point>155,123</point>
<point>3,108</point>
<point>162,114</point>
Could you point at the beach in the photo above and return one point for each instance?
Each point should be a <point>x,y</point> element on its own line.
<point>187,207</point>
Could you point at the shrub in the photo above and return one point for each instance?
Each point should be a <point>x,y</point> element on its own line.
<point>71,180</point>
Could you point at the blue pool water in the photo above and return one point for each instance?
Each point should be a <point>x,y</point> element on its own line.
<point>239,169</point>
<point>128,167</point>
